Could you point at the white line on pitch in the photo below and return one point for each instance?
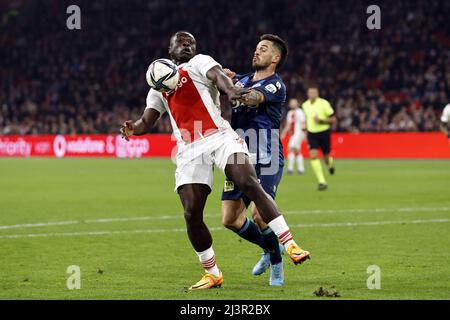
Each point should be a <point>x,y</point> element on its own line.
<point>365,210</point>
<point>180,216</point>
<point>40,224</point>
<point>312,225</point>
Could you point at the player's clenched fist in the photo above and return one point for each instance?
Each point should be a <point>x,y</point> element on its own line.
<point>127,129</point>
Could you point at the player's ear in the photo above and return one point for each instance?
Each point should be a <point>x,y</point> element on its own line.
<point>276,59</point>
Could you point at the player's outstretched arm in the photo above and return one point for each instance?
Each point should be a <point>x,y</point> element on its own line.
<point>252,98</point>
<point>141,126</point>
<point>224,83</point>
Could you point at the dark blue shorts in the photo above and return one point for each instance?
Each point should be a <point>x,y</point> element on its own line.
<point>268,182</point>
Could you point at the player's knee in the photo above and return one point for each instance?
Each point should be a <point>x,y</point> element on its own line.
<point>256,217</point>
<point>230,222</point>
<point>192,216</point>
<point>314,154</point>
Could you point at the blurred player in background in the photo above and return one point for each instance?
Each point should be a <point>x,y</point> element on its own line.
<point>319,118</point>
<point>295,127</point>
<point>205,139</point>
<point>445,121</point>
<point>260,115</point>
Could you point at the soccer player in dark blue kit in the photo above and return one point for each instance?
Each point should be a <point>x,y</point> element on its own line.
<point>257,120</point>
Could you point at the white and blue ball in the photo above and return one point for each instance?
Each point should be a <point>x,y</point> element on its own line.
<point>162,75</point>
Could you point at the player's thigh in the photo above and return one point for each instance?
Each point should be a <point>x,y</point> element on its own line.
<point>314,144</point>
<point>269,181</point>
<point>325,143</point>
<point>295,143</point>
<point>231,192</point>
<point>232,150</point>
<point>242,173</point>
<point>193,182</point>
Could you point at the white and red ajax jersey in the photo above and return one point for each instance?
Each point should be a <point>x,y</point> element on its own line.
<point>296,121</point>
<point>194,106</point>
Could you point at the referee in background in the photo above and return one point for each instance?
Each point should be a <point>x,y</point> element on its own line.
<point>319,118</point>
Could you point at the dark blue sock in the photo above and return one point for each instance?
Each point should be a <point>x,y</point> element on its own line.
<point>272,245</point>
<point>250,232</point>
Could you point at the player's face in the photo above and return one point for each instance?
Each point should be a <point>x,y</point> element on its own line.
<point>313,93</point>
<point>293,103</point>
<point>264,56</point>
<point>182,47</point>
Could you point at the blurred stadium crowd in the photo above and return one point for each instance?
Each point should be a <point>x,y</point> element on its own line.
<point>53,80</point>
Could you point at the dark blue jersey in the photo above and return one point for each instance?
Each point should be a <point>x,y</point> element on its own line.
<point>262,121</point>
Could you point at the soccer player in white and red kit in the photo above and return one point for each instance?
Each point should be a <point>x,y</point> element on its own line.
<point>295,127</point>
<point>205,139</point>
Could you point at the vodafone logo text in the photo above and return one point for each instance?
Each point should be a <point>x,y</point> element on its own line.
<point>78,146</point>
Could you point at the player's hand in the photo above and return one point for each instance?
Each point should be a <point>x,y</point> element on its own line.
<point>316,119</point>
<point>236,94</point>
<point>229,73</point>
<point>127,130</point>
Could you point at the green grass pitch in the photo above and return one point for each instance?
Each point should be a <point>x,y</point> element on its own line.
<point>122,224</point>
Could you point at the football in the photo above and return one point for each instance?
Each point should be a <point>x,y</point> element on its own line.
<point>162,75</point>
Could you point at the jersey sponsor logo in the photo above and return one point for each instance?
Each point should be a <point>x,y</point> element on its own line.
<point>271,88</point>
<point>228,186</point>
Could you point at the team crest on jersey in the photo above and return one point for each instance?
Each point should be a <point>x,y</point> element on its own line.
<point>278,84</point>
<point>228,186</point>
<point>271,88</point>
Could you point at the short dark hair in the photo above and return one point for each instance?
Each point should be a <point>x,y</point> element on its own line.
<point>181,32</point>
<point>280,44</point>
<point>312,85</point>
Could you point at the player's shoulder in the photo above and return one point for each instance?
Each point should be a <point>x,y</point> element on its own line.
<point>324,102</point>
<point>201,58</point>
<point>276,79</point>
<point>299,111</point>
<point>447,108</point>
<point>275,85</point>
<point>245,76</point>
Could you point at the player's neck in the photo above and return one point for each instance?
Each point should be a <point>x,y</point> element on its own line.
<point>262,74</point>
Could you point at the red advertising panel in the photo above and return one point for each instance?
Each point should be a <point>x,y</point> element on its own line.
<point>86,146</point>
<point>344,145</point>
<point>409,145</point>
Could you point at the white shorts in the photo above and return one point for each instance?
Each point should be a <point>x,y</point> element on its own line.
<point>195,164</point>
<point>295,142</point>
